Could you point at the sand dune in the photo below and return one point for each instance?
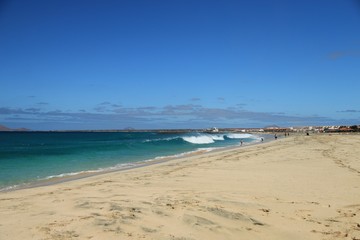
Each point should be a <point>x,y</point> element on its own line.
<point>302,187</point>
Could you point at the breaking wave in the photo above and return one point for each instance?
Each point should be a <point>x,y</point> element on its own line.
<point>210,138</point>
<point>204,138</point>
<point>239,135</point>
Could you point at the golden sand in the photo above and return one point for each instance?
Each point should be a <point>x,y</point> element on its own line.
<point>301,187</point>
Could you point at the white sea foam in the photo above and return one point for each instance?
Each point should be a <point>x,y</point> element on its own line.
<point>239,135</point>
<point>217,137</point>
<point>8,188</point>
<point>63,175</point>
<point>205,138</point>
<point>160,139</point>
<point>211,138</point>
<point>199,150</point>
<point>209,149</point>
<point>199,139</point>
<point>202,139</point>
<point>116,167</point>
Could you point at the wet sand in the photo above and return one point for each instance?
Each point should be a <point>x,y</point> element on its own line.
<point>300,187</point>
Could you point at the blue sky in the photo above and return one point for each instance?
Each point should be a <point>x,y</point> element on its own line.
<point>179,63</point>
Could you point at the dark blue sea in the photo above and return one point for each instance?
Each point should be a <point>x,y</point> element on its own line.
<point>30,157</point>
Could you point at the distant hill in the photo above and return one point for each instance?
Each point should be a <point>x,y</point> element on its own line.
<point>6,129</point>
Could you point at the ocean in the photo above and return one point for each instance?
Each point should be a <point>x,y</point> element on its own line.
<point>27,158</point>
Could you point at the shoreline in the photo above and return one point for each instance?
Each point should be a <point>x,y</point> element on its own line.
<point>68,177</point>
<point>299,187</point>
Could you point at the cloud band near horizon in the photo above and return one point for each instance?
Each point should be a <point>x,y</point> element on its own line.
<point>109,115</point>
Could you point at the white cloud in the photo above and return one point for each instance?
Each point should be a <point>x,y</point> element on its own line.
<point>188,115</point>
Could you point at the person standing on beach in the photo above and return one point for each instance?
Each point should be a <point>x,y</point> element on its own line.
<point>241,142</point>
<point>275,137</point>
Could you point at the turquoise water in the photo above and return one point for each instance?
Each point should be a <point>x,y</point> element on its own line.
<point>27,157</point>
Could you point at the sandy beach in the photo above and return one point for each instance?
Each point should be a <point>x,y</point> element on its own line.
<point>300,187</point>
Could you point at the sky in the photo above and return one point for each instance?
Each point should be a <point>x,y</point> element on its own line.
<point>67,65</point>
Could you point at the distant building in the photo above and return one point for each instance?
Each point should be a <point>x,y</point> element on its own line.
<point>276,129</point>
<point>212,130</point>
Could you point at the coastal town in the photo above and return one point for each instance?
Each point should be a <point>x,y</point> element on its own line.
<point>307,129</point>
